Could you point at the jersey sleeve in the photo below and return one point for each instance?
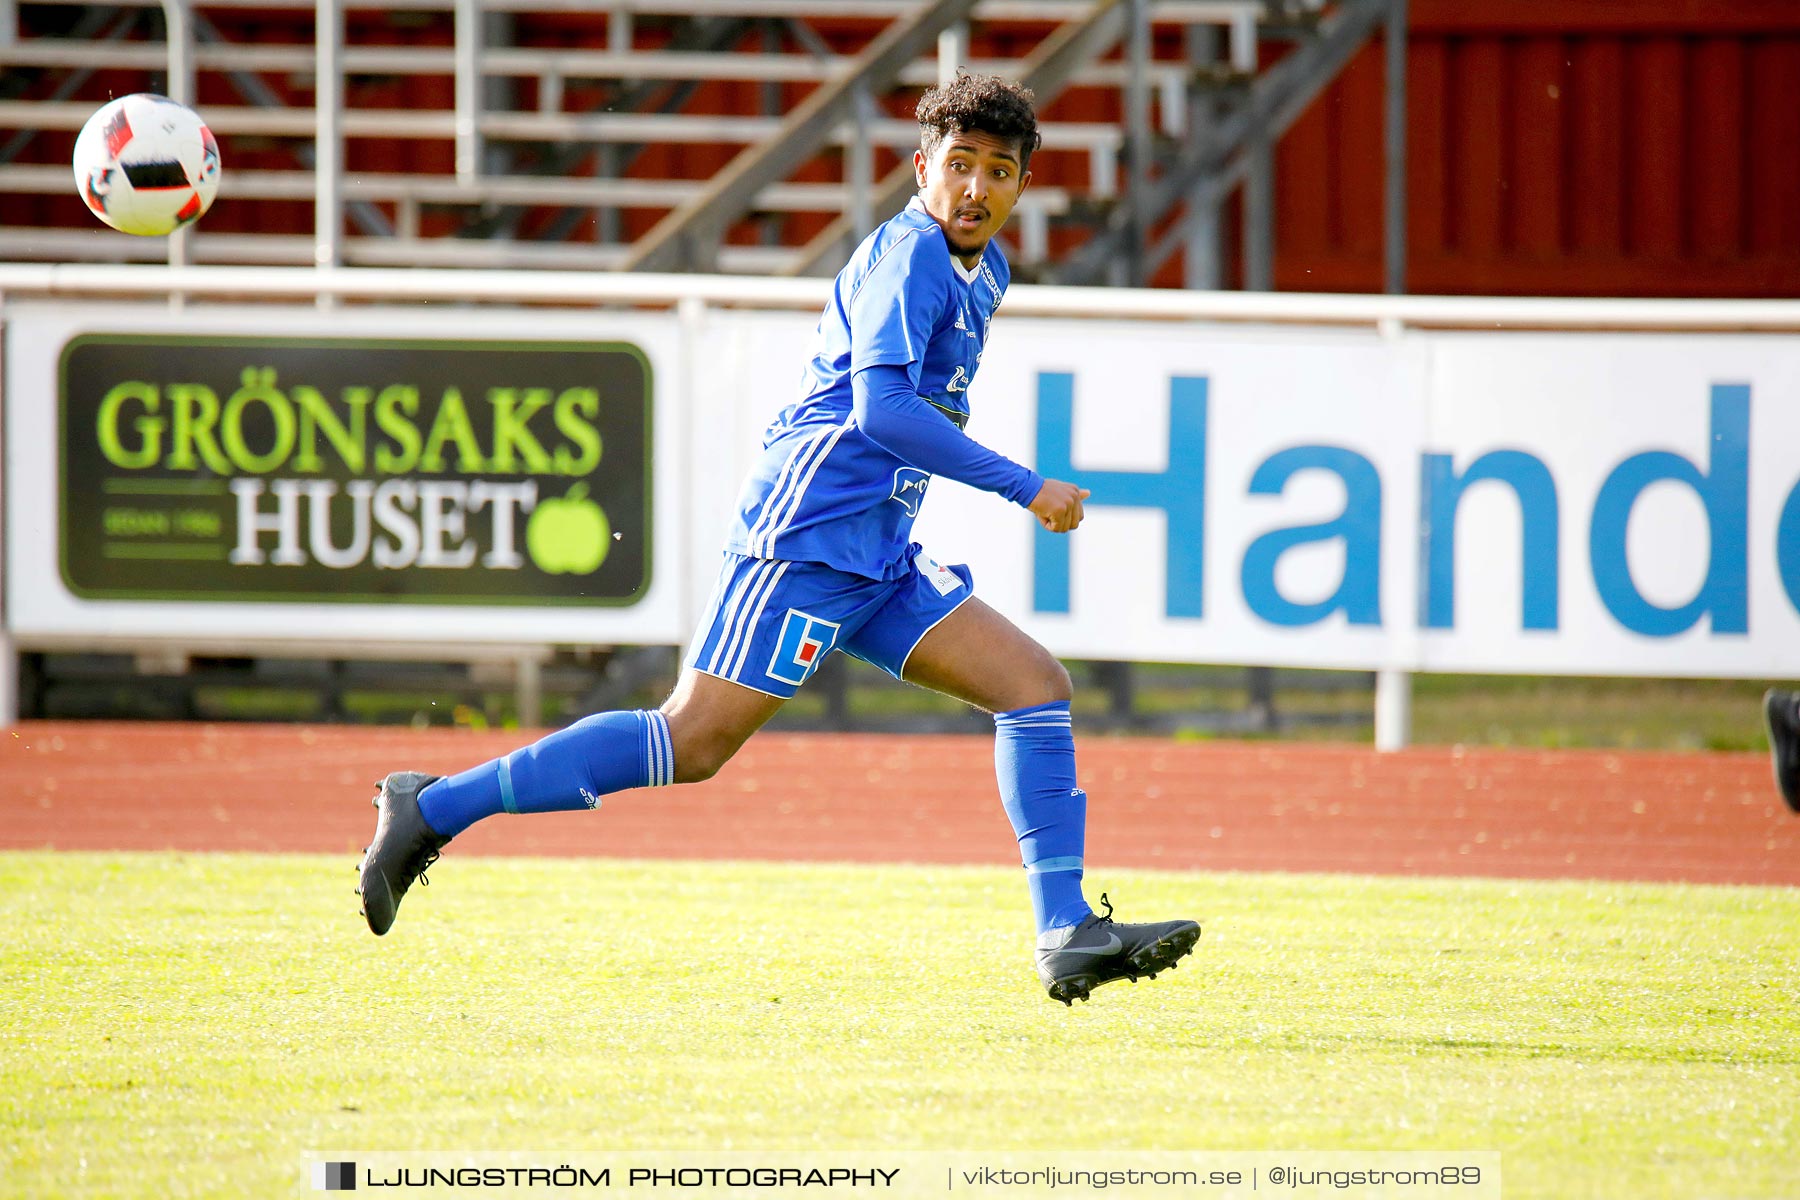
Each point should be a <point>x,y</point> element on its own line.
<point>895,418</point>
<point>898,304</point>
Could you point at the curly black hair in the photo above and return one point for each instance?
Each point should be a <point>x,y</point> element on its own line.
<point>979,104</point>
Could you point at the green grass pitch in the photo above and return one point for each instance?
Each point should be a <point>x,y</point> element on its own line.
<point>188,1025</point>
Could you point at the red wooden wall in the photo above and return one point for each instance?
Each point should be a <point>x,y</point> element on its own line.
<point>1562,147</point>
<point>1556,147</point>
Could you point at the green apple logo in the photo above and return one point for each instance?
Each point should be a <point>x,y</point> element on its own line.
<point>569,536</point>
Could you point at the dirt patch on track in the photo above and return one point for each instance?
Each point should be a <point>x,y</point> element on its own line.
<point>1710,818</point>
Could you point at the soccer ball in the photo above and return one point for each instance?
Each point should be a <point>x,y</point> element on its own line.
<point>146,165</point>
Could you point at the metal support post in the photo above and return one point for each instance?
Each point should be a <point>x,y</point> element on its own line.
<point>469,38</point>
<point>1034,234</point>
<point>952,51</point>
<point>609,226</point>
<point>1393,710</point>
<point>1259,212</point>
<point>9,22</point>
<point>529,682</point>
<point>9,651</point>
<point>859,165</point>
<point>181,51</point>
<point>1245,50</point>
<point>328,139</point>
<point>9,680</point>
<point>1171,105</point>
<point>1137,126</point>
<point>1394,237</point>
<point>769,104</point>
<point>1259,694</point>
<point>1202,267</point>
<point>180,32</point>
<point>833,684</point>
<point>1118,680</point>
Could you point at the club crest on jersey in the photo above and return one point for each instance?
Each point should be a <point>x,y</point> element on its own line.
<point>804,642</point>
<point>909,488</point>
<point>987,277</point>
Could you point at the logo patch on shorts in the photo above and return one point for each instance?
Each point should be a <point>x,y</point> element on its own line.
<point>938,575</point>
<point>909,489</point>
<point>804,642</point>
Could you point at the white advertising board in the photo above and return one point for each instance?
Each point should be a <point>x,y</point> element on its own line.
<point>1631,504</point>
<point>1608,504</point>
<point>386,477</point>
<point>1575,503</point>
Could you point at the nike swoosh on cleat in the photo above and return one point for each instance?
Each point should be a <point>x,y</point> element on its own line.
<point>1113,943</point>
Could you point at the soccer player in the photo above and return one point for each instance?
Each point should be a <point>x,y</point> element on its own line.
<point>1781,716</point>
<point>820,558</point>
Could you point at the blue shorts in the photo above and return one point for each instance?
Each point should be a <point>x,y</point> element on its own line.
<point>771,622</point>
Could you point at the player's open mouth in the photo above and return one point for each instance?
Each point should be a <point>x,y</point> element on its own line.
<point>970,219</point>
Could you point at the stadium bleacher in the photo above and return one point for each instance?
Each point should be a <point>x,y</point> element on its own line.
<point>483,134</point>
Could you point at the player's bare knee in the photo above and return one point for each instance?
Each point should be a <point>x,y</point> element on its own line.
<point>701,747</point>
<point>699,759</point>
<point>695,768</point>
<point>1054,681</point>
<point>700,752</point>
<point>1044,681</point>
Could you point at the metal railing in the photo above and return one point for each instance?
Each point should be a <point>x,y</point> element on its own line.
<point>473,125</point>
<point>1387,313</point>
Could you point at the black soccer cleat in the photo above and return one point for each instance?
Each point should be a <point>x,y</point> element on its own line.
<point>1076,959</point>
<point>1781,716</point>
<point>403,848</point>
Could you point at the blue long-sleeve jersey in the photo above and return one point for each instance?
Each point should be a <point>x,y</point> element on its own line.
<point>843,470</point>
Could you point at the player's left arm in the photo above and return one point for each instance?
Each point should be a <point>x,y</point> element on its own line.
<point>900,421</point>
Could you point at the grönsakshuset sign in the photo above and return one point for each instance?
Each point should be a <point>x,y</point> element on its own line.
<point>421,471</point>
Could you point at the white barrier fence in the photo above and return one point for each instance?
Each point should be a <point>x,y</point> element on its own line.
<point>1396,484</point>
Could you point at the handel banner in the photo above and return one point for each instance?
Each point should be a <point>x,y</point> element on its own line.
<point>319,469</point>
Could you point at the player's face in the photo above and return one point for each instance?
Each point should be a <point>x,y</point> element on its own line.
<point>969,185</point>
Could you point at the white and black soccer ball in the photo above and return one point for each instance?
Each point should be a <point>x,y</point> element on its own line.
<point>147,165</point>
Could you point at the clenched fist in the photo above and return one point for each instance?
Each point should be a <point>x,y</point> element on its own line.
<point>1057,505</point>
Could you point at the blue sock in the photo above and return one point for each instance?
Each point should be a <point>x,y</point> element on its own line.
<point>572,768</point>
<point>1034,757</point>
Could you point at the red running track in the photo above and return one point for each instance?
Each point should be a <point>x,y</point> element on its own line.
<point>1712,818</point>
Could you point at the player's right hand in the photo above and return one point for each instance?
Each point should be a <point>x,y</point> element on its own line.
<point>1057,505</point>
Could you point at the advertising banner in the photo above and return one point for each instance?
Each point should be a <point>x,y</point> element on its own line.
<point>1611,504</point>
<point>367,476</point>
<point>1569,503</point>
<point>1252,492</point>
<point>1563,503</point>
<point>323,469</point>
